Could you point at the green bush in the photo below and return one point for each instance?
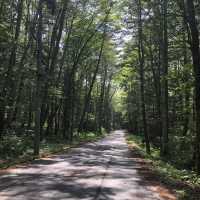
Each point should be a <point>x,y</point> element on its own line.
<point>14,146</point>
<point>181,151</point>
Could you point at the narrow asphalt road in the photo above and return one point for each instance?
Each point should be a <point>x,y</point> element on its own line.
<point>95,171</point>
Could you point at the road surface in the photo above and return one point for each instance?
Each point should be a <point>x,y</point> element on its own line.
<point>101,170</point>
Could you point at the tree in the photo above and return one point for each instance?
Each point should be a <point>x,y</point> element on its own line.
<point>141,66</point>
<point>164,81</point>
<point>191,18</point>
<point>39,81</point>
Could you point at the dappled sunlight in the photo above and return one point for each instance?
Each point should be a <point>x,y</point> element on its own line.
<point>101,170</point>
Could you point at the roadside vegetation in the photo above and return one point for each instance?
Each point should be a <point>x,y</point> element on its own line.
<point>20,149</point>
<point>185,183</point>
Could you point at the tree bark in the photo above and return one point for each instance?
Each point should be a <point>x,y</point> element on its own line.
<point>141,65</point>
<point>196,68</point>
<point>164,82</point>
<point>39,79</point>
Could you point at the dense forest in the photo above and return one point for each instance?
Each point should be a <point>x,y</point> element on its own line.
<point>160,73</point>
<point>57,63</point>
<point>73,67</point>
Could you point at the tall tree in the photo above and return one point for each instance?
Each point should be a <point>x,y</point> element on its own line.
<point>39,78</point>
<point>141,69</point>
<point>164,81</point>
<point>191,18</point>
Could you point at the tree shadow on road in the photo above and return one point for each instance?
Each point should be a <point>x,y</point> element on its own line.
<point>79,174</point>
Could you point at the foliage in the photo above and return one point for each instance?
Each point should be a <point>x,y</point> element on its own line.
<point>15,146</point>
<point>19,150</point>
<point>57,62</point>
<point>184,182</point>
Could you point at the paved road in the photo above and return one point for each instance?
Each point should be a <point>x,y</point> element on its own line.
<point>96,171</point>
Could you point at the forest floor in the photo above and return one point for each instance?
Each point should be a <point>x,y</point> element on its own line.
<point>101,170</point>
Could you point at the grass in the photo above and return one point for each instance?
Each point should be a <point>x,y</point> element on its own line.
<point>185,183</point>
<point>48,148</point>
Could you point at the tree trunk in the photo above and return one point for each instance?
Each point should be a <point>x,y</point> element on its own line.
<point>141,65</point>
<point>164,82</point>
<point>39,79</point>
<point>101,100</point>
<point>196,67</point>
<point>7,83</point>
<point>88,95</point>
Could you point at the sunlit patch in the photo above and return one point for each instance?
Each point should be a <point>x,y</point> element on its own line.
<point>103,170</point>
<point>163,192</point>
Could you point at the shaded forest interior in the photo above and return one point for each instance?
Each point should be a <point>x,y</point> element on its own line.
<point>70,69</point>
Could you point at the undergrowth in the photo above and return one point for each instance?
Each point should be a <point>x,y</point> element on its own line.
<point>185,183</point>
<point>15,150</point>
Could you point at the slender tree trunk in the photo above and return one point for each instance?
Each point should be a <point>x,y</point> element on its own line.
<point>39,79</point>
<point>88,96</point>
<point>156,80</point>
<point>196,66</point>
<point>30,105</point>
<point>101,100</point>
<point>54,50</point>
<point>66,102</point>
<point>164,82</point>
<point>141,64</point>
<point>7,83</point>
<point>187,91</point>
